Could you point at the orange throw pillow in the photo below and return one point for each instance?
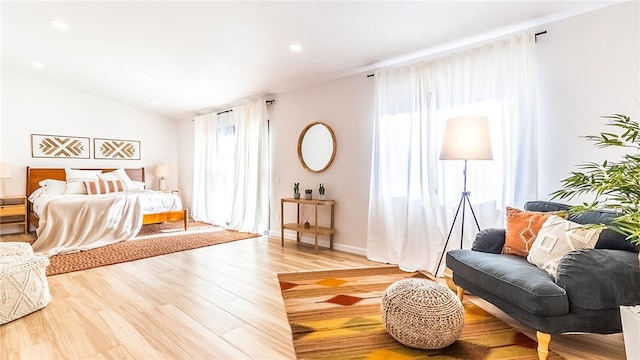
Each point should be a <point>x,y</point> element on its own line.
<point>522,230</point>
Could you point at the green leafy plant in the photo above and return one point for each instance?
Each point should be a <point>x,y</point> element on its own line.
<point>615,185</point>
<point>296,188</point>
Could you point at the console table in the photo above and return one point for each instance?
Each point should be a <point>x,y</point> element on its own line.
<point>298,226</point>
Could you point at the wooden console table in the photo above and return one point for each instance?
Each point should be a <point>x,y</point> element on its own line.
<point>298,226</point>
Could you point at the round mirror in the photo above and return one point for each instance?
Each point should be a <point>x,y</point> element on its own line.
<point>316,147</point>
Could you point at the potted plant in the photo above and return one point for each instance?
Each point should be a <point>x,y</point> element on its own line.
<point>615,185</point>
<point>296,190</point>
<point>321,192</point>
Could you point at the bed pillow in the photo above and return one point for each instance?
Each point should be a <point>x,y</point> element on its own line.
<point>81,175</point>
<point>53,187</point>
<point>137,185</point>
<point>522,230</point>
<point>36,194</point>
<point>119,174</point>
<point>76,179</point>
<point>556,238</point>
<point>103,187</point>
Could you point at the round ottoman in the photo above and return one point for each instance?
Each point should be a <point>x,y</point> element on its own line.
<point>422,314</point>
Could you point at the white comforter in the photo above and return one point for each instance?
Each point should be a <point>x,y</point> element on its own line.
<point>73,223</point>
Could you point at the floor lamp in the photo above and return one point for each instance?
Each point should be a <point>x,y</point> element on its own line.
<point>465,138</point>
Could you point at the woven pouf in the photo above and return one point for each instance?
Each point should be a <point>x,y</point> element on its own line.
<point>23,282</point>
<point>422,314</point>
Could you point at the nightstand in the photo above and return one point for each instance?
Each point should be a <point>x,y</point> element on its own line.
<point>13,211</point>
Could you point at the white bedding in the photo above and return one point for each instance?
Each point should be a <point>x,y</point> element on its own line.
<point>71,223</point>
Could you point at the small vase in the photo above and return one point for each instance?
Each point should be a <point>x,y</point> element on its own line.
<point>307,225</point>
<point>322,197</point>
<point>296,195</point>
<point>307,194</point>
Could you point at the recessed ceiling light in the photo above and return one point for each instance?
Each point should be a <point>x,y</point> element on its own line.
<point>295,47</point>
<point>155,102</point>
<point>36,65</point>
<point>58,24</point>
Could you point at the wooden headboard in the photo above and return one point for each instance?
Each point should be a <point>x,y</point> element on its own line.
<point>35,175</point>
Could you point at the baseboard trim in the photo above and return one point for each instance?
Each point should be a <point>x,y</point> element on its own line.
<point>321,243</point>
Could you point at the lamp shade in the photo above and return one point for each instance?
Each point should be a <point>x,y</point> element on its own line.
<point>161,170</point>
<point>467,138</point>
<point>5,170</point>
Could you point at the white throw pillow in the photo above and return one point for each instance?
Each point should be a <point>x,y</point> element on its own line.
<point>556,238</point>
<point>76,179</point>
<point>53,187</point>
<point>137,185</point>
<point>119,174</point>
<point>81,175</point>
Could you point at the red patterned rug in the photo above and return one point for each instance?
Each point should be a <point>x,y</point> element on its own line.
<point>152,240</point>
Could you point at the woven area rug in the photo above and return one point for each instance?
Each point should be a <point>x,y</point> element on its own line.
<point>335,314</point>
<point>152,240</point>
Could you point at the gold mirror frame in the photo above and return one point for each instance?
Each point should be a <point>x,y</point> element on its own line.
<point>304,138</point>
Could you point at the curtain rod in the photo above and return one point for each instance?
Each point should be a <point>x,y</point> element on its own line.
<point>535,35</point>
<point>269,102</point>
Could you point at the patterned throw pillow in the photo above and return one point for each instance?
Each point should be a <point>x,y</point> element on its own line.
<point>103,187</point>
<point>522,230</point>
<point>556,238</point>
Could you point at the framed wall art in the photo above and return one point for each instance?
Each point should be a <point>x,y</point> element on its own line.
<point>116,149</point>
<point>59,146</point>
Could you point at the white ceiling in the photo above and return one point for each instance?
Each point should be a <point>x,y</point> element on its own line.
<point>195,55</point>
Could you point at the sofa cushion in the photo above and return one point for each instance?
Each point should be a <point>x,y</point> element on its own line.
<point>608,239</point>
<point>522,230</point>
<point>489,240</point>
<point>511,278</point>
<point>600,278</point>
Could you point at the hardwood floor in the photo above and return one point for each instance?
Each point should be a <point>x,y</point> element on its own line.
<point>217,302</point>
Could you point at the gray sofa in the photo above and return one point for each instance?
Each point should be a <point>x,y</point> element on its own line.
<point>591,284</point>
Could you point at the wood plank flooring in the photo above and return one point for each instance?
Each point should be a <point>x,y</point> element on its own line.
<point>217,302</point>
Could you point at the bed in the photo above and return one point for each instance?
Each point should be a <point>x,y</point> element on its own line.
<point>123,207</point>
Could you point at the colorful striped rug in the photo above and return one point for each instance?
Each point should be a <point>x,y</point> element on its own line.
<point>335,314</point>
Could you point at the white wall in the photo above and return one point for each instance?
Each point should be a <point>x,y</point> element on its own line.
<point>588,66</point>
<point>31,106</point>
<point>346,105</point>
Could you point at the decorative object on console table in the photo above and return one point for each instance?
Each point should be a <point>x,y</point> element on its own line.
<point>299,227</point>
<point>116,149</point>
<point>5,173</point>
<point>296,190</point>
<point>161,171</point>
<point>308,194</point>
<point>321,192</point>
<point>13,211</point>
<point>59,146</point>
<point>465,138</point>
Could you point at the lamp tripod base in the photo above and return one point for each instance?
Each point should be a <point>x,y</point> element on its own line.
<point>464,201</point>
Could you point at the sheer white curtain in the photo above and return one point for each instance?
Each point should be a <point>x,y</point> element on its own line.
<point>214,168</point>
<point>250,210</point>
<point>414,195</point>
<point>231,169</point>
